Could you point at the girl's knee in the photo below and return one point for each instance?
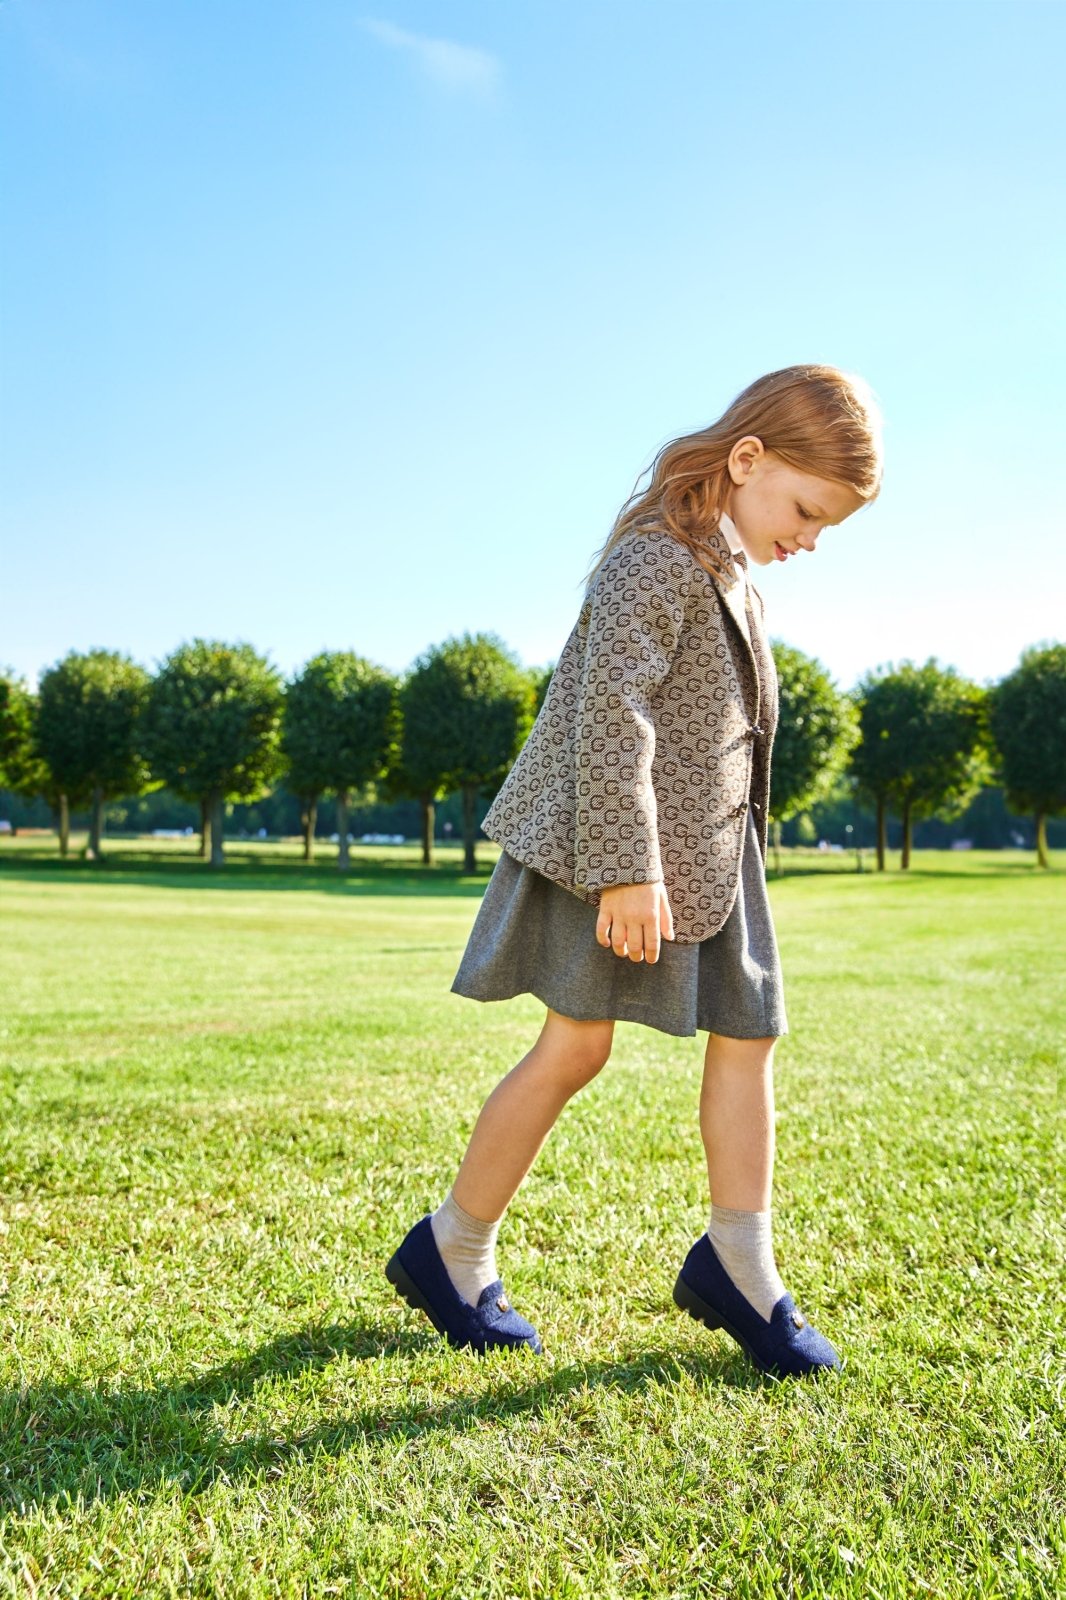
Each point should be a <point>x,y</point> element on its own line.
<point>741,1053</point>
<point>576,1051</point>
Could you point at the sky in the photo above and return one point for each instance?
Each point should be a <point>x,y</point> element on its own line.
<point>342,327</point>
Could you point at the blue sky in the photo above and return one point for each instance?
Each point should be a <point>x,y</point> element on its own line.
<point>331,326</point>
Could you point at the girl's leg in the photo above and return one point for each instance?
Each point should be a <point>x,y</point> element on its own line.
<point>510,1130</point>
<point>737,1121</point>
<point>521,1111</point>
<point>737,1124</point>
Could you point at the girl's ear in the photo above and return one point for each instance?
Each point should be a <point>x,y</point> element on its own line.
<point>744,457</point>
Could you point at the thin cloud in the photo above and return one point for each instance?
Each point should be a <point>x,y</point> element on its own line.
<point>458,67</point>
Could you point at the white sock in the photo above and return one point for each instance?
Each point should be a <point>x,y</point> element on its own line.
<point>467,1247</point>
<point>743,1244</point>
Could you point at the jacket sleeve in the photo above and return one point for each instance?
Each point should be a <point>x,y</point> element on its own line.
<point>635,609</point>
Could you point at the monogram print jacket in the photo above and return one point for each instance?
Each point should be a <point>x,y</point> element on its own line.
<point>654,737</point>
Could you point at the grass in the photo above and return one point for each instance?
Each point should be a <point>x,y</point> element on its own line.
<point>224,1104</point>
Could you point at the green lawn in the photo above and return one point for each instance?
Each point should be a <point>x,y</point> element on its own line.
<point>227,1096</point>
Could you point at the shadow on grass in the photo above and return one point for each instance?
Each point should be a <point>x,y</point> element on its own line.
<point>67,1444</point>
<point>366,877</point>
<point>404,875</point>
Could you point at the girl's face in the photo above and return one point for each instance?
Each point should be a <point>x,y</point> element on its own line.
<point>777,510</point>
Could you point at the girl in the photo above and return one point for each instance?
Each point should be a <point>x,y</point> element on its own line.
<point>633,826</point>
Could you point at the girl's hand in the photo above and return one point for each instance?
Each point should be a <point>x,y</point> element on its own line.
<point>633,918</point>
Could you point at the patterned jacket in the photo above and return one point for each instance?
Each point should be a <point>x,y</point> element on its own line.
<point>654,737</point>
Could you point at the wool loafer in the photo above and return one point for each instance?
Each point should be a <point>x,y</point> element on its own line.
<point>786,1346</point>
<point>419,1275</point>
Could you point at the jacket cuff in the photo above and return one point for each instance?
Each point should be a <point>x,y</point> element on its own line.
<point>616,878</point>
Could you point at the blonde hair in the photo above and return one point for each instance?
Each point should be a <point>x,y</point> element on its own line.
<point>817,419</point>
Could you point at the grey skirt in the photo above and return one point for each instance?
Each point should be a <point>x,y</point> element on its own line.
<point>532,936</point>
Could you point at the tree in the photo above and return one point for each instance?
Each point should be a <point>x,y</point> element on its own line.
<point>88,730</point>
<point>878,759</point>
<point>1027,715</point>
<point>468,706</point>
<point>922,747</point>
<point>817,727</point>
<point>341,728</point>
<point>16,734</point>
<point>409,776</point>
<point>21,768</point>
<point>212,728</point>
<point>25,771</point>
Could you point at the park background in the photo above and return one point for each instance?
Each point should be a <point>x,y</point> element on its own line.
<point>331,328</point>
<point>305,317</point>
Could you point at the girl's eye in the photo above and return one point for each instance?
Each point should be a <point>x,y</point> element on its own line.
<point>806,515</point>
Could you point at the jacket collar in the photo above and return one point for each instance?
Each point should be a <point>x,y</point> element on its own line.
<point>744,604</point>
<point>730,587</point>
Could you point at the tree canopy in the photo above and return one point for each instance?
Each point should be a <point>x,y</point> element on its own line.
<point>21,768</point>
<point>341,731</point>
<point>1027,714</point>
<point>817,727</point>
<point>923,743</point>
<point>212,727</point>
<point>468,706</point>
<point>89,717</point>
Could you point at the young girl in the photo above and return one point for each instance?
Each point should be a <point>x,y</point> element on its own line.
<point>631,883</point>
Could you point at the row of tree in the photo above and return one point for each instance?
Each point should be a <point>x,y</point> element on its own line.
<point>218,724</point>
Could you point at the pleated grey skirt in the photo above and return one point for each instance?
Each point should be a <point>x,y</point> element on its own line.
<point>532,936</point>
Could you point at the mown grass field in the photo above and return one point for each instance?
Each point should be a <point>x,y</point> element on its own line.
<point>225,1098</point>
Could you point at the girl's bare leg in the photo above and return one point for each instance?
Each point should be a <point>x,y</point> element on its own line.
<point>521,1111</point>
<point>737,1121</point>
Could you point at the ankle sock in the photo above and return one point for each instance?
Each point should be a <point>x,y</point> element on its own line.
<point>743,1244</point>
<point>467,1247</point>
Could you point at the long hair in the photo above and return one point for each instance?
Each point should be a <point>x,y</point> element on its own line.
<point>817,419</point>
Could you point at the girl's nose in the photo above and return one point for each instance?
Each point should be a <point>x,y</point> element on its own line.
<point>806,539</point>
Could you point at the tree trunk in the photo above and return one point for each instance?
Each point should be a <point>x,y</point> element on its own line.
<point>882,833</point>
<point>905,853</point>
<point>343,858</point>
<point>428,822</point>
<point>308,816</point>
<point>215,814</point>
<point>470,793</point>
<point>96,827</point>
<point>1041,840</point>
<point>64,825</point>
<point>776,828</point>
<point>205,829</point>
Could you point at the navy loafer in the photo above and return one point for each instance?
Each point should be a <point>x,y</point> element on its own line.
<point>418,1274</point>
<point>786,1346</point>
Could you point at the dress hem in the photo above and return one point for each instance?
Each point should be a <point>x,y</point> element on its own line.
<point>674,1033</point>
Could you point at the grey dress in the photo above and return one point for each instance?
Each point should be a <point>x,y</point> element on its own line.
<point>531,936</point>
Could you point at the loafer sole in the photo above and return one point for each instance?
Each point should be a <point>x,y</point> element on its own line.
<point>688,1300</point>
<point>408,1290</point>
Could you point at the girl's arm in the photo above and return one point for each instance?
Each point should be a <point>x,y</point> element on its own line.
<point>636,610</point>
